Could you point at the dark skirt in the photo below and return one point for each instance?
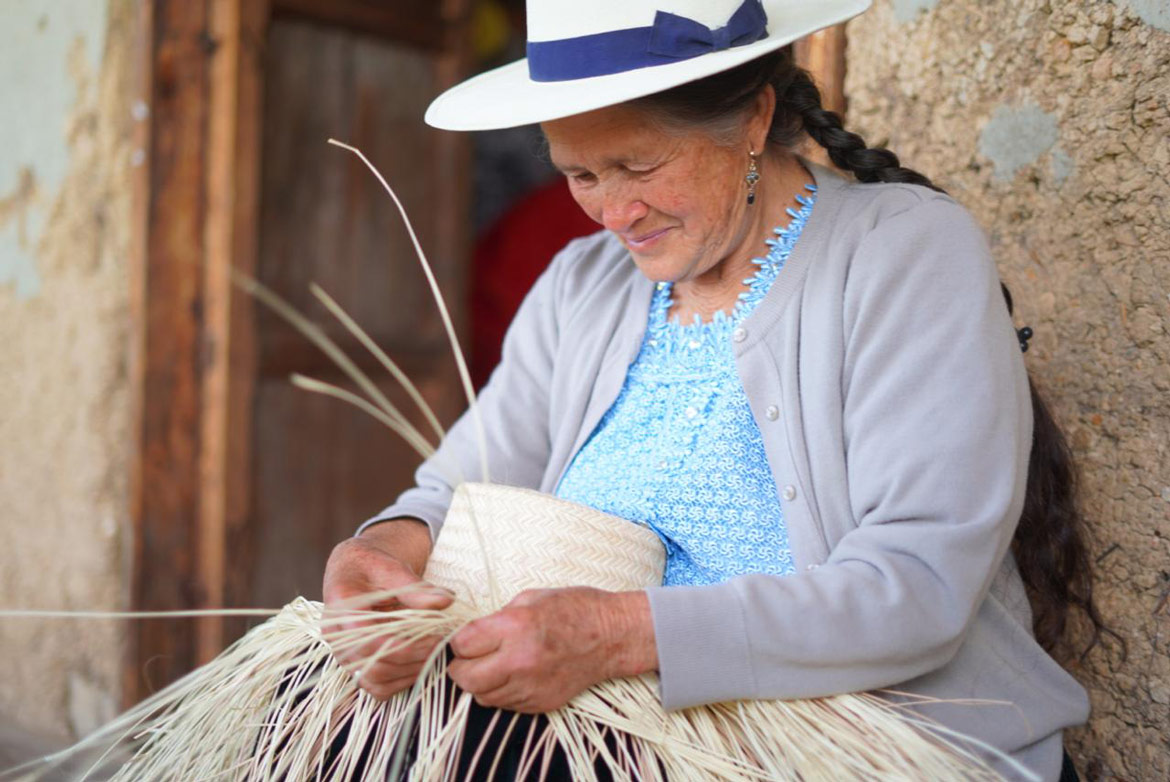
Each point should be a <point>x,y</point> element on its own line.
<point>503,756</point>
<point>506,739</point>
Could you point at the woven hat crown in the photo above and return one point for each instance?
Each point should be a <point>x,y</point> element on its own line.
<point>498,541</point>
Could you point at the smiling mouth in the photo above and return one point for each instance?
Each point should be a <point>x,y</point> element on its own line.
<point>645,240</point>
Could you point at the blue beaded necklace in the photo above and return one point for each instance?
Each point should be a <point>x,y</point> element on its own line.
<point>674,335</point>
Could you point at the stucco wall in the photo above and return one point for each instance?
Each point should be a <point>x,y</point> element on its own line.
<point>65,188</point>
<point>1051,122</point>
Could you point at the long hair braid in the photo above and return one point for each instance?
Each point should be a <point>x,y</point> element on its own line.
<point>847,150</point>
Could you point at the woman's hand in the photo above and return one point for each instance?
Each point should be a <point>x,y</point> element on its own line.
<point>548,645</point>
<point>386,556</point>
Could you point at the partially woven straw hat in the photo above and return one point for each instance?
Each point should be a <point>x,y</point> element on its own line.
<point>535,541</point>
<point>278,706</point>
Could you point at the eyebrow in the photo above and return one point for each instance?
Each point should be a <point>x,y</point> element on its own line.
<point>564,169</point>
<point>567,168</point>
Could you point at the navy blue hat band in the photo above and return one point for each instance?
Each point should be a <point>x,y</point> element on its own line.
<point>670,39</point>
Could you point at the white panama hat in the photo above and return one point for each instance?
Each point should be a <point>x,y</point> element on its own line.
<point>588,54</point>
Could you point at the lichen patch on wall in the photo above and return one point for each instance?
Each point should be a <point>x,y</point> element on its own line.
<point>41,42</point>
<point>1152,12</point>
<point>1017,136</point>
<point>18,210</point>
<point>907,10</point>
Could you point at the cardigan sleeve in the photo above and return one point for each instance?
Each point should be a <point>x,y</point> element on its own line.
<point>514,410</point>
<point>936,424</point>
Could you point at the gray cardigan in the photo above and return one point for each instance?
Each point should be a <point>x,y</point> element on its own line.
<point>900,452</point>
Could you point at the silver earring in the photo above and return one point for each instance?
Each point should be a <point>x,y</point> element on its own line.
<point>752,178</point>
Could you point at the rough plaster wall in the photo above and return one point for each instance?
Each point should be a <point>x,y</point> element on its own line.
<point>1051,122</point>
<point>65,189</point>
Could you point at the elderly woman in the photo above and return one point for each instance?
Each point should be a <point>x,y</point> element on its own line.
<point>808,384</point>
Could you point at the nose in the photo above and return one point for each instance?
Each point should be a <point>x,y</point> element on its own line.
<point>621,209</point>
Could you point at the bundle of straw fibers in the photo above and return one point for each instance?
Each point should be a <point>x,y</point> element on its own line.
<point>277,706</point>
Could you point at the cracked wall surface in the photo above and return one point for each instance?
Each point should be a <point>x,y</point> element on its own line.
<point>66,90</point>
<point>1051,122</point>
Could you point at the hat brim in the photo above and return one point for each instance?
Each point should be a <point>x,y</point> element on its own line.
<point>506,97</point>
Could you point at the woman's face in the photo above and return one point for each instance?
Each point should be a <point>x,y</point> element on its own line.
<point>676,202</point>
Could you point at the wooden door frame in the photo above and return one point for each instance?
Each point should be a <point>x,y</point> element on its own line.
<point>193,353</point>
<point>197,200</point>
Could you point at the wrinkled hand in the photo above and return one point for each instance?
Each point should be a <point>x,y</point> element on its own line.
<point>546,646</point>
<point>387,556</point>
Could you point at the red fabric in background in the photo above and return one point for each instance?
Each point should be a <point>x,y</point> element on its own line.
<point>509,257</point>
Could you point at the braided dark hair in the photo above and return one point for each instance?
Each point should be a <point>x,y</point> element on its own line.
<point>1048,545</point>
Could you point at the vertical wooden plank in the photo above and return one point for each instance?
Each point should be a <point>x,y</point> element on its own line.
<point>236,33</point>
<point>138,256</point>
<point>166,505</point>
<point>453,165</point>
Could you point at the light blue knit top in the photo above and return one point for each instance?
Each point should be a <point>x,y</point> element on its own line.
<point>679,449</point>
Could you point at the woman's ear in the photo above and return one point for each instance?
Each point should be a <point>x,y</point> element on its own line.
<point>760,120</point>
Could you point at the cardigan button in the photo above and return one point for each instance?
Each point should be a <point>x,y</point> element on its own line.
<point>740,334</point>
<point>789,493</point>
<point>812,566</point>
<point>772,413</point>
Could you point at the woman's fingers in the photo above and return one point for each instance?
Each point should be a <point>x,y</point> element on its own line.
<point>484,662</point>
<point>359,567</point>
<point>475,639</point>
<point>382,690</point>
<point>391,672</point>
<point>381,657</point>
<point>478,676</point>
<point>427,597</point>
<point>504,697</point>
<point>387,651</point>
<point>385,664</point>
<point>386,557</point>
<point>516,696</point>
